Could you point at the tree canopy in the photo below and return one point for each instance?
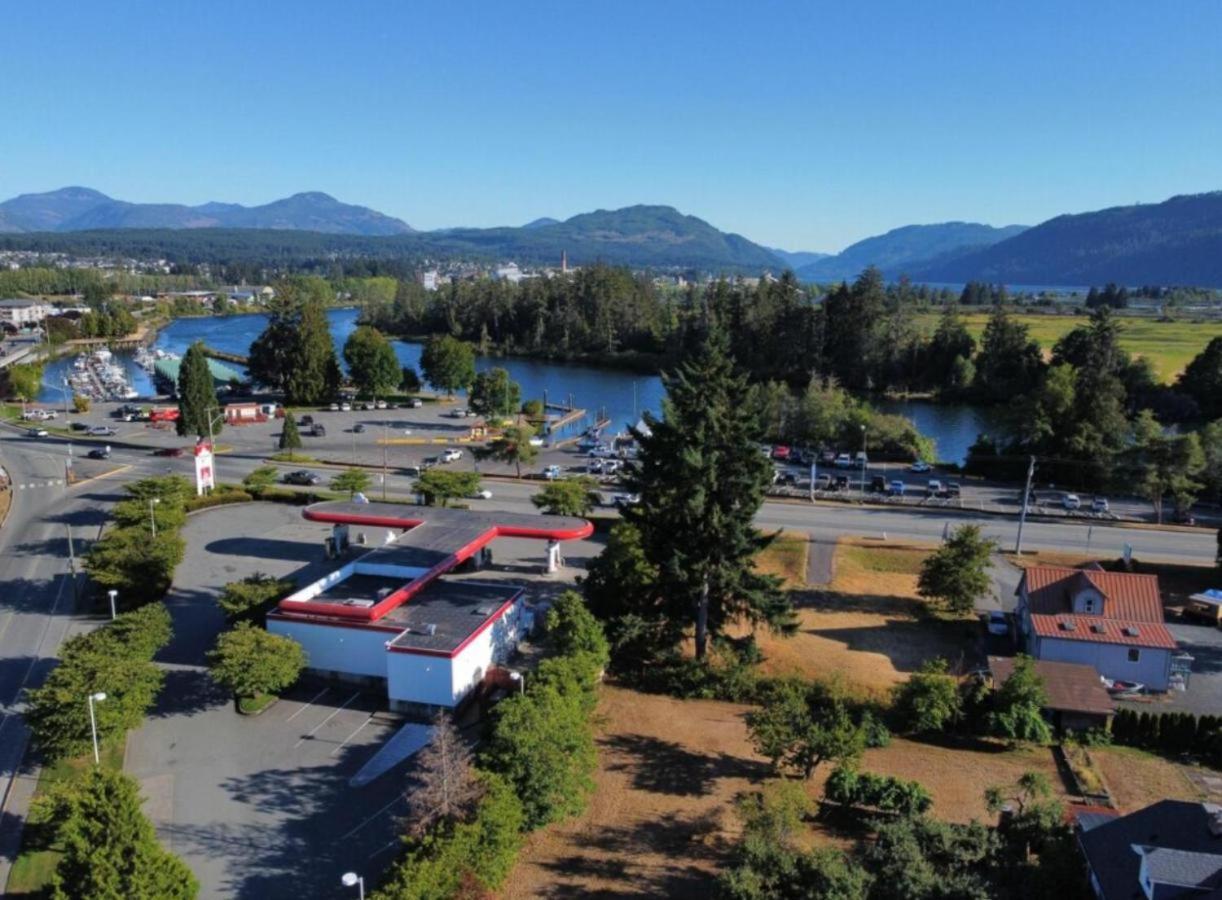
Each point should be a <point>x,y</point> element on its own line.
<point>956,574</point>
<point>196,394</point>
<point>448,363</point>
<point>372,364</point>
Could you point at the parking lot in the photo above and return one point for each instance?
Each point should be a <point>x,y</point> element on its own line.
<point>260,806</point>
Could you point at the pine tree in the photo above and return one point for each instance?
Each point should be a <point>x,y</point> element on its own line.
<point>372,363</point>
<point>444,787</point>
<point>110,851</point>
<point>314,376</point>
<point>196,393</point>
<point>290,437</point>
<point>701,479</point>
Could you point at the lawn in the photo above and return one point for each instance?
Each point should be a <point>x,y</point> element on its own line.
<point>32,870</point>
<point>869,629</point>
<point>661,820</point>
<point>1169,346</point>
<point>1136,778</point>
<point>786,557</point>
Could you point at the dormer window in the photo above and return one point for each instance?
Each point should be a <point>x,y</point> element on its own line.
<point>1088,602</point>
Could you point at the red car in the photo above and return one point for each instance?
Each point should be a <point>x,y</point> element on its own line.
<point>780,452</point>
<point>168,451</point>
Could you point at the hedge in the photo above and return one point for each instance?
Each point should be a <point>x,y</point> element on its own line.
<point>1176,733</point>
<point>881,792</point>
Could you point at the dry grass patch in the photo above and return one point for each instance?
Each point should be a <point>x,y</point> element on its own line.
<point>786,558</point>
<point>662,819</point>
<point>870,629</point>
<point>1136,778</point>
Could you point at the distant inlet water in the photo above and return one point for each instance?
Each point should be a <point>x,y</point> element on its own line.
<point>621,396</point>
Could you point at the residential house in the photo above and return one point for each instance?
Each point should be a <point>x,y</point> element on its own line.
<point>1170,849</point>
<point>1110,620</point>
<point>1077,699</point>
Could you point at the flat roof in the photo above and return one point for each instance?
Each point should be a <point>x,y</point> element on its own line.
<point>456,610</point>
<point>435,540</point>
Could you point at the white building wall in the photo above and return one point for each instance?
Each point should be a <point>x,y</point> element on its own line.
<point>494,644</point>
<point>1153,669</point>
<point>349,651</point>
<point>416,678</point>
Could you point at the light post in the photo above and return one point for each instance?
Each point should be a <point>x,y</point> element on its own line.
<point>351,879</point>
<point>112,593</point>
<point>520,678</point>
<point>93,723</point>
<point>153,501</point>
<point>863,460</point>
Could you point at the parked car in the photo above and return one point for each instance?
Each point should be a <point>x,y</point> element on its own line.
<point>79,426</point>
<point>861,460</point>
<point>840,483</point>
<point>334,407</point>
<point>482,494</point>
<point>780,452</point>
<point>1183,517</point>
<point>786,477</point>
<point>827,457</point>
<point>934,487</point>
<point>301,476</point>
<point>379,404</point>
<point>920,466</point>
<point>429,462</point>
<point>1100,505</point>
<point>551,473</point>
<point>368,406</point>
<point>1071,501</point>
<point>896,488</point>
<point>359,428</point>
<point>536,441</point>
<point>345,407</point>
<point>319,430</point>
<point>823,483</point>
<point>451,454</point>
<point>844,461</point>
<point>997,623</point>
<point>99,453</point>
<point>306,420</point>
<point>622,500</point>
<point>878,484</point>
<point>414,403</point>
<point>102,431</point>
<point>953,489</point>
<point>37,432</point>
<point>459,412</point>
<point>168,451</point>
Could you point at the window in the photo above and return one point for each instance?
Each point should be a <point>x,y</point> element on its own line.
<point>1134,655</point>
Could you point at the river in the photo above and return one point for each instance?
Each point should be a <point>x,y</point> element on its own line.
<point>619,395</point>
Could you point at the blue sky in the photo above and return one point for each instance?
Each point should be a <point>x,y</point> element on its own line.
<point>801,125</point>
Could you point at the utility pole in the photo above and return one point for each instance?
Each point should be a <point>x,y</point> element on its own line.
<point>1022,517</point>
<point>72,564</point>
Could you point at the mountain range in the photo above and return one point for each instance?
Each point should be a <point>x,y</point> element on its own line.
<point>84,209</point>
<point>899,249</point>
<point>1178,241</point>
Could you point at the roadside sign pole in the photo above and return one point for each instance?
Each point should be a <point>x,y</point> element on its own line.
<point>72,564</point>
<point>813,466</point>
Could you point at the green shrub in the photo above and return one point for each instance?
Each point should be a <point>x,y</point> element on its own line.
<point>882,792</point>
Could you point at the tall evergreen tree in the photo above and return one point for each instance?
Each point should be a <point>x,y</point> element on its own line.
<point>290,436</point>
<point>701,479</point>
<point>110,851</point>
<point>1202,379</point>
<point>314,375</point>
<point>196,393</point>
<point>1009,362</point>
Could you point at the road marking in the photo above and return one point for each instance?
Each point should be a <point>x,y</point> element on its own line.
<point>354,734</point>
<point>309,734</point>
<point>395,843</point>
<point>345,837</point>
<point>308,705</point>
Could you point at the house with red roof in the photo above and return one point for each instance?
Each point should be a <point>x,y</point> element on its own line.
<point>1110,620</point>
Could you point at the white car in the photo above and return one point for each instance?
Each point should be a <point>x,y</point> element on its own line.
<point>536,441</point>
<point>1072,501</point>
<point>622,500</point>
<point>997,623</point>
<point>844,461</point>
<point>482,494</point>
<point>551,473</point>
<point>451,454</point>
<point>1100,505</point>
<point>381,404</point>
<point>602,451</point>
<point>920,466</point>
<point>37,432</point>
<point>415,403</point>
<point>334,407</point>
<point>345,407</point>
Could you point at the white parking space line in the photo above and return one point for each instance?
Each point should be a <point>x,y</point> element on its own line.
<point>359,729</point>
<point>398,799</point>
<point>387,846</point>
<point>307,705</point>
<point>309,734</point>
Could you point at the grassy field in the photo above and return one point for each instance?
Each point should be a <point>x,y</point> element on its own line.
<point>1169,346</point>
<point>32,870</point>
<point>786,558</point>
<point>1137,779</point>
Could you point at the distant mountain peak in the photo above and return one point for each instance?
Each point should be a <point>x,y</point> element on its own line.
<point>80,208</point>
<point>541,222</point>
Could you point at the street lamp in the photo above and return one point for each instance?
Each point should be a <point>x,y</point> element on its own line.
<point>520,679</point>
<point>153,501</point>
<point>112,593</point>
<point>351,879</point>
<point>93,723</point>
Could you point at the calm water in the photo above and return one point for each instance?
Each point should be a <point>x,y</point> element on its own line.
<point>619,395</point>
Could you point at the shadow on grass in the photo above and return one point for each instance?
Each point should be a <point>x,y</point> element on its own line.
<point>665,767</point>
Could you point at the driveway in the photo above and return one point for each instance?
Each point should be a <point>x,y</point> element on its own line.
<point>260,807</point>
<point>1204,695</point>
